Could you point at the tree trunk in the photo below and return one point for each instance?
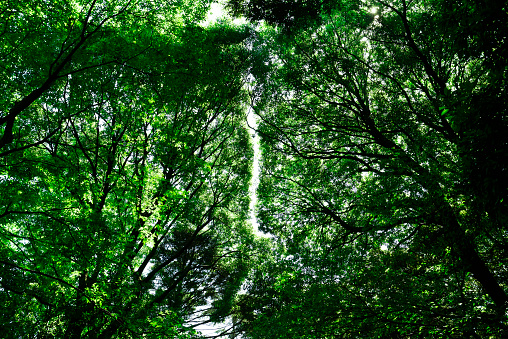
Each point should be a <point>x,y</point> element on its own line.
<point>472,261</point>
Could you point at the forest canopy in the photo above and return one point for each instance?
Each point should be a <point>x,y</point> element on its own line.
<point>126,166</point>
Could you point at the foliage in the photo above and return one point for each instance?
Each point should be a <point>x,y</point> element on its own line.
<point>125,166</point>
<point>285,13</point>
<point>384,174</point>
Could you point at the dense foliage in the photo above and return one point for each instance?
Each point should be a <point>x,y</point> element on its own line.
<point>126,162</point>
<point>384,176</point>
<point>124,168</point>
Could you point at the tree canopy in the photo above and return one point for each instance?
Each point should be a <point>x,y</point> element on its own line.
<point>125,169</point>
<point>126,166</point>
<point>384,174</point>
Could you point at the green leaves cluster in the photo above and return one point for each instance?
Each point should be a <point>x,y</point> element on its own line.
<point>125,164</point>
<point>373,183</point>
